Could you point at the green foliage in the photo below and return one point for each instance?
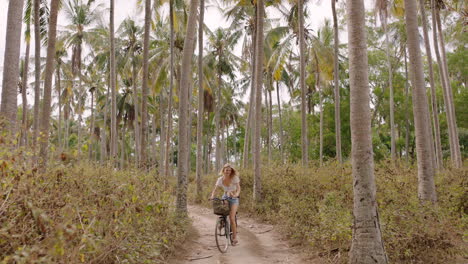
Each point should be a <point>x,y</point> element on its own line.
<point>84,213</point>
<point>314,207</point>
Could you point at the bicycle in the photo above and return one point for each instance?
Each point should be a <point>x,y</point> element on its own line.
<point>223,233</point>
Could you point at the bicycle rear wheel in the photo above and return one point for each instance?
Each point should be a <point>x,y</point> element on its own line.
<point>222,234</point>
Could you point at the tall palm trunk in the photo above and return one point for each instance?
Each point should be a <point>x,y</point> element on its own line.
<point>136,126</point>
<point>267,110</point>
<point>280,123</point>
<point>426,187</point>
<point>144,86</point>
<point>24,89</point>
<point>270,123</point>
<point>217,116</point>
<point>305,153</point>
<point>9,105</point>
<point>113,79</point>
<point>37,72</point>
<point>199,165</point>
<point>452,121</point>
<point>248,127</point>
<point>91,130</point>
<point>181,203</point>
<point>336,76</point>
<point>104,128</point>
<point>162,137</point>
<point>171,89</point>
<point>49,70</point>
<point>407,125</point>
<point>257,186</point>
<point>390,84</point>
<point>438,145</point>
<point>367,244</point>
<point>319,88</point>
<point>59,91</point>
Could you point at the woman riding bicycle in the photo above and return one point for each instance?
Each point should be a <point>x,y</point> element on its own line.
<point>230,183</point>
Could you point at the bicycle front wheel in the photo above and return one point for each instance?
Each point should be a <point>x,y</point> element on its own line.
<point>222,235</point>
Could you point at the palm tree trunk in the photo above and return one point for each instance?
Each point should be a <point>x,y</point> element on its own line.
<point>104,128</point>
<point>122,146</point>
<point>199,165</point>
<point>267,109</point>
<point>49,70</point>
<point>171,89</point>
<point>162,137</point>
<point>182,168</point>
<point>319,88</point>
<point>407,125</point>
<point>136,126</point>
<point>144,86</point>
<point>367,245</point>
<point>336,75</point>
<point>113,79</point>
<point>270,127</point>
<point>435,111</point>
<point>452,122</point>
<point>9,105</point>
<point>280,123</point>
<point>37,72</point>
<point>257,186</point>
<point>426,187</point>
<point>24,89</point>
<point>248,128</point>
<point>217,120</point>
<point>59,91</point>
<point>91,131</point>
<point>390,84</point>
<point>305,154</point>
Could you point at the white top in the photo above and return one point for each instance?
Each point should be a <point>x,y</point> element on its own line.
<point>232,187</point>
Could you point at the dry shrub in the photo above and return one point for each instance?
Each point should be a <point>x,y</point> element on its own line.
<point>84,213</point>
<point>314,207</point>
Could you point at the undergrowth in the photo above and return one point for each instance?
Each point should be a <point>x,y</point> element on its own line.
<point>84,213</point>
<point>314,208</point>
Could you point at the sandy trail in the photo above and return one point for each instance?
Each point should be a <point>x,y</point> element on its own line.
<point>258,243</point>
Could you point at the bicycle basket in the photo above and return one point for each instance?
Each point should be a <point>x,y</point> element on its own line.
<point>221,207</point>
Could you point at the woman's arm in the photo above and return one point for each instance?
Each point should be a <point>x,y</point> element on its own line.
<point>213,192</point>
<point>238,189</point>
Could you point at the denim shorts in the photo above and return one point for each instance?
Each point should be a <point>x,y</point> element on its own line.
<point>231,200</point>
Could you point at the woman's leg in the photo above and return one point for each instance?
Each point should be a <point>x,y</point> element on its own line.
<point>232,219</point>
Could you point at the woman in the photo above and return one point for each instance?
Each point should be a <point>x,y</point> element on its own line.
<point>230,183</point>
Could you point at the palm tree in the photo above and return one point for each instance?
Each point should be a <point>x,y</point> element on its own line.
<point>446,87</point>
<point>336,74</point>
<point>11,64</point>
<point>144,86</point>
<point>382,7</point>
<point>257,187</point>
<point>435,116</point>
<point>305,153</point>
<point>199,169</point>
<point>367,244</point>
<point>37,71</point>
<point>426,187</point>
<point>49,71</point>
<point>186,71</point>
<point>113,80</point>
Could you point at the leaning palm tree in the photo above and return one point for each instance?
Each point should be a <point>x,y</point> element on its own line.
<point>11,64</point>
<point>49,71</point>
<point>426,187</point>
<point>182,168</point>
<point>367,246</point>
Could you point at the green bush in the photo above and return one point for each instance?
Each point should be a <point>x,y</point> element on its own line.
<point>314,207</point>
<point>84,213</point>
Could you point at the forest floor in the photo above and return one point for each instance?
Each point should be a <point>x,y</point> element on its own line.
<point>258,243</point>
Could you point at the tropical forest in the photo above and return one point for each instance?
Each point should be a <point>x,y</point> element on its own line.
<point>234,131</point>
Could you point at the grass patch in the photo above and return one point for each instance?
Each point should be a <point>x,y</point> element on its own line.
<point>84,213</point>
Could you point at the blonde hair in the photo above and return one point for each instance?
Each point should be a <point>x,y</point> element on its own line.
<point>233,171</point>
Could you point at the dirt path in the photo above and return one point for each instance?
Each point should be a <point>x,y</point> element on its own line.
<point>258,243</point>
